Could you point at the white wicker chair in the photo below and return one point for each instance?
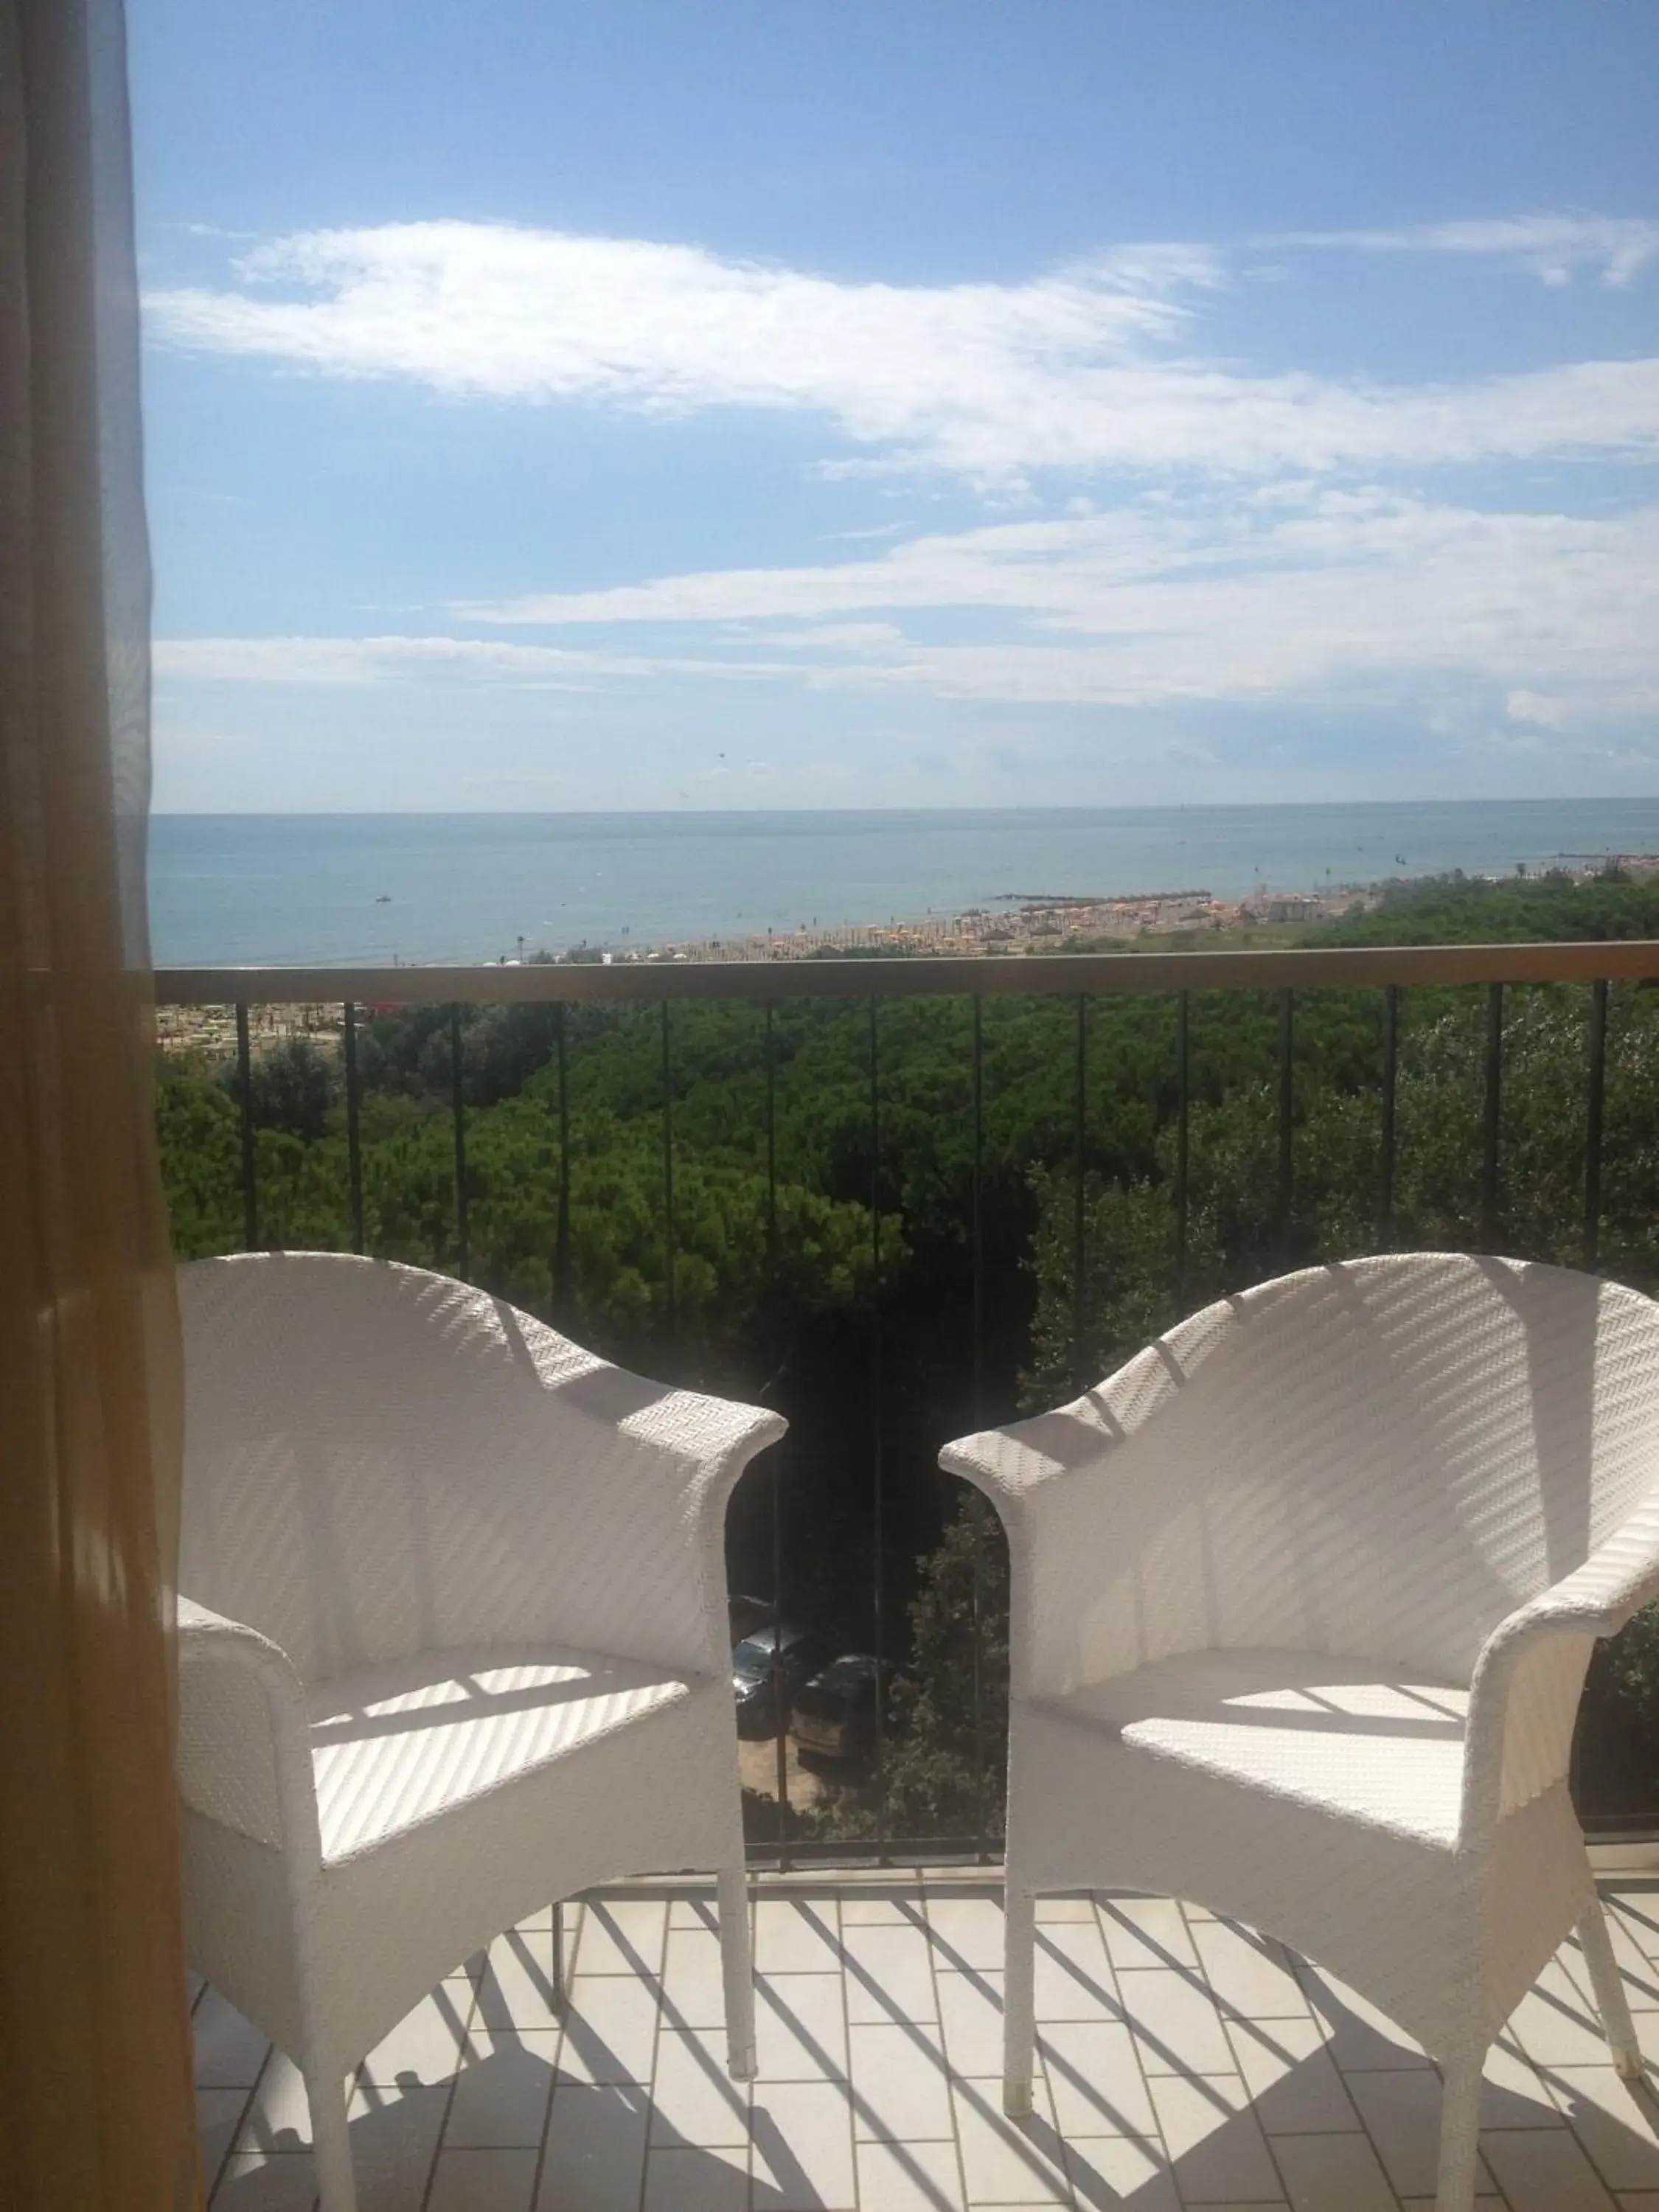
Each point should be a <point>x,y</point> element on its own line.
<point>453,1638</point>
<point>1302,1602</point>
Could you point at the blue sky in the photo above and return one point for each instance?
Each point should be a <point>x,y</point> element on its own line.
<point>741,405</point>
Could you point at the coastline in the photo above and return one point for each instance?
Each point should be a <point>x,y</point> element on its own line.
<point>1018,924</point>
<point>376,892</point>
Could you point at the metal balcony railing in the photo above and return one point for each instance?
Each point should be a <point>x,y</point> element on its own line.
<point>1080,980</point>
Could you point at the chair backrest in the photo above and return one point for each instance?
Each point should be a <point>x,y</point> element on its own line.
<point>379,1461</point>
<point>1379,1459</point>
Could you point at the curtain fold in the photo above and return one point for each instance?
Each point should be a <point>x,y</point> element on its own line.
<point>96,2110</point>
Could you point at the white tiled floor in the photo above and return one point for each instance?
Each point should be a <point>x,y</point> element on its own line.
<point>1184,2062</point>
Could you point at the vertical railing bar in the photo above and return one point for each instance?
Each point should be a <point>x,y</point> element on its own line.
<point>771,1151</point>
<point>1286,1109</point>
<point>458,1108</point>
<point>977,1226</point>
<point>878,1577</point>
<point>561,1231</point>
<point>1183,1132</point>
<point>245,1100</point>
<point>1390,1093</point>
<point>779,1717</point>
<point>353,1126</point>
<point>1493,1117</point>
<point>1596,1104</point>
<point>1079,1108</point>
<point>670,1302</point>
<point>974,1505</point>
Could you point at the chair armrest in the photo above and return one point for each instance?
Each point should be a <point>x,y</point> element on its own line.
<point>1011,1465</point>
<point>1026,1462</point>
<point>625,1515</point>
<point>1527,1680</point>
<point>704,1444</point>
<point>244,1755</point>
<point>1070,1487</point>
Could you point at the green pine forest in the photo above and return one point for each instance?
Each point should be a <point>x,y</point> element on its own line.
<point>822,1161</point>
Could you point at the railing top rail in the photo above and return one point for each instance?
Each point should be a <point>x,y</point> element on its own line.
<point>1040,976</point>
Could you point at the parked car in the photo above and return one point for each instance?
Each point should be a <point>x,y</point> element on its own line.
<point>767,1668</point>
<point>834,1712</point>
<point>749,1613</point>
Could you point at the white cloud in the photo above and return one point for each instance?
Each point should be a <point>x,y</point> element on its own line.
<point>1075,370</point>
<point>334,661</point>
<point>1552,246</point>
<point>1303,596</point>
<point>331,660</point>
<point>1537,708</point>
<point>495,311</point>
<point>1283,551</point>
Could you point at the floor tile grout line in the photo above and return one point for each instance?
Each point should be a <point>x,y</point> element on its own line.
<point>1358,2109</point>
<point>1245,2021</point>
<point>1234,2020</point>
<point>1365,2129</point>
<point>571,1964</point>
<point>1039,2062</point>
<point>751,1906</point>
<point>556,1957</point>
<point>1262,2028</point>
<point>571,1960</point>
<point>1342,2073</point>
<point>1584,2150</point>
<point>1114,1988</point>
<point>1135,2040</point>
<point>210,2184</point>
<point>1480,2162</point>
<point>1544,2074</point>
<point>1364,2126</point>
<point>857,2102</point>
<point>753,1910</point>
<point>656,2052</point>
<point>843,1978</point>
<point>467,2018</point>
<point>1221,2022</point>
<point>211,2190</point>
<point>944,2048</point>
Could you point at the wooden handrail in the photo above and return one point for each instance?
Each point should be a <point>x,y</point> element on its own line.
<point>1037,975</point>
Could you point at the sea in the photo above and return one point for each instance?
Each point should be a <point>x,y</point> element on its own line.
<point>376,890</point>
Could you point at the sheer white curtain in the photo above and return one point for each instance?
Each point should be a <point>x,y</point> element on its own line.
<point>95,2105</point>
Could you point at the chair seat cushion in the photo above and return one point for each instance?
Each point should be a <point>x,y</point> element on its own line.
<point>396,1744</point>
<point>1349,1739</point>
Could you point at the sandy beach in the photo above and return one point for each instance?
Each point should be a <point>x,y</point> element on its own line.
<point>1010,927</point>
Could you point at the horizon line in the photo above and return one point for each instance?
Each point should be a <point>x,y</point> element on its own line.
<point>1069,808</point>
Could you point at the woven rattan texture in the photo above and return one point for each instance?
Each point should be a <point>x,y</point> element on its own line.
<point>1303,1599</point>
<point>454,1639</point>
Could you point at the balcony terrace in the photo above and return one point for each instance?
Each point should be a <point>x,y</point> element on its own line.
<point>1582,1196</point>
<point>1183,2063</point>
